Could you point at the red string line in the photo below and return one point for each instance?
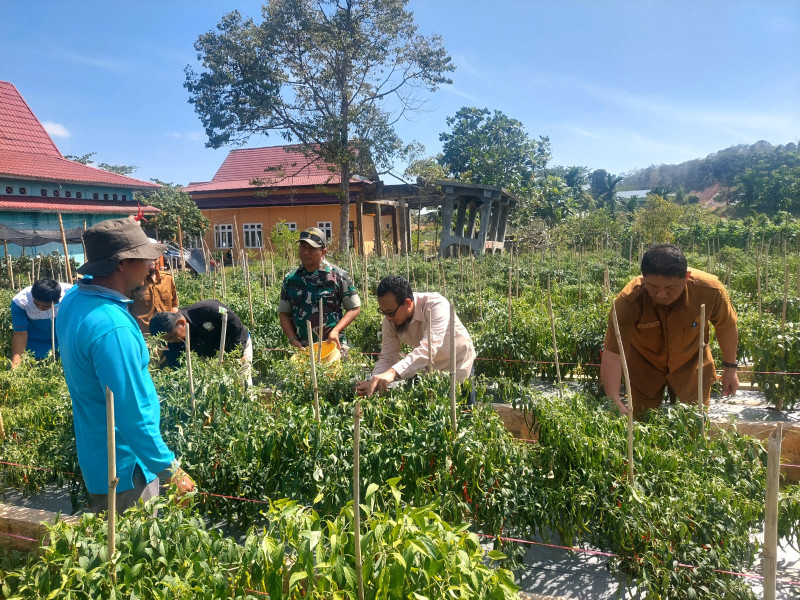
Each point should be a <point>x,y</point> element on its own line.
<point>11,464</point>
<point>232,497</point>
<point>611,554</point>
<point>18,537</point>
<point>550,362</point>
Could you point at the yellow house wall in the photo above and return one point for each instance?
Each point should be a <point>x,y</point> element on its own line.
<point>269,216</point>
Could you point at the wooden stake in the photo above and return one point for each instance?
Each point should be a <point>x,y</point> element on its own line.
<point>553,330</point>
<point>66,248</point>
<point>758,278</point>
<point>83,244</point>
<point>53,330</point>
<point>246,273</point>
<point>453,414</point>
<point>263,274</point>
<point>188,344</point>
<point>769,555</point>
<point>357,497</point>
<point>180,245</point>
<point>321,327</point>
<point>700,355</point>
<point>785,296</point>
<point>366,283</point>
<point>113,480</point>
<point>430,344</point>
<point>223,333</point>
<point>627,389</point>
<point>509,299</point>
<point>10,267</point>
<point>310,334</point>
<point>2,428</point>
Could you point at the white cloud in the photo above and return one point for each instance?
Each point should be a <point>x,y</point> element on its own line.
<point>584,132</point>
<point>56,129</point>
<point>107,64</point>
<point>742,124</point>
<point>462,94</point>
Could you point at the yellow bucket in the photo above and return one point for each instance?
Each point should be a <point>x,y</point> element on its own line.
<point>330,353</point>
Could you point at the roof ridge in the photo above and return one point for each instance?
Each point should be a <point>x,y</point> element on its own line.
<point>35,119</point>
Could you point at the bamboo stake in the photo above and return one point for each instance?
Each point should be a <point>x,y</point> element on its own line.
<point>509,299</point>
<point>246,272</point>
<point>321,328</point>
<point>188,344</point>
<point>408,268</point>
<point>769,555</point>
<point>66,248</point>
<point>310,334</point>
<point>223,333</point>
<point>453,415</point>
<point>553,330</point>
<point>627,389</point>
<point>53,330</point>
<point>758,278</point>
<point>700,355</point>
<point>263,273</point>
<point>83,244</point>
<point>224,279</point>
<point>785,296</point>
<point>798,280</point>
<point>180,245</point>
<point>357,497</point>
<point>113,480</point>
<point>366,282</point>
<point>10,267</point>
<point>2,428</point>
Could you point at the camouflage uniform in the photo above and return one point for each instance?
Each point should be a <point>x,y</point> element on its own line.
<point>302,290</point>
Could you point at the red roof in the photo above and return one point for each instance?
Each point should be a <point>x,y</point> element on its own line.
<point>20,130</point>
<point>31,204</point>
<point>277,166</point>
<point>54,168</point>
<point>27,152</point>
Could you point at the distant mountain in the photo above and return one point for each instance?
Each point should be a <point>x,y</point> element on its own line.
<point>718,169</point>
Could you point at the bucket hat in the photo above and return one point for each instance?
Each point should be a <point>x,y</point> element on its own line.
<point>113,240</point>
<point>314,236</point>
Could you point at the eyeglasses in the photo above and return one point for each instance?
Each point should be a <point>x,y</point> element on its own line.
<point>390,314</point>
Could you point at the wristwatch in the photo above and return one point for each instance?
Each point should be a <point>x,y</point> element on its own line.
<point>733,365</point>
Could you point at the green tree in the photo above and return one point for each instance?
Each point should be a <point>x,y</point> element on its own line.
<point>331,75</point>
<point>655,221</point>
<point>86,159</point>
<point>173,202</point>
<point>492,149</point>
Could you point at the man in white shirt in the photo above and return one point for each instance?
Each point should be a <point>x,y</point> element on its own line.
<point>405,321</point>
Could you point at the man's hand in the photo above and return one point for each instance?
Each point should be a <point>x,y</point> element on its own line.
<point>296,343</point>
<point>377,384</point>
<point>183,482</point>
<point>333,336</point>
<point>623,410</point>
<point>730,381</point>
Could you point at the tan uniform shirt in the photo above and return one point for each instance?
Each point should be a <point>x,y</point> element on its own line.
<point>416,336</point>
<point>153,297</point>
<point>661,342</point>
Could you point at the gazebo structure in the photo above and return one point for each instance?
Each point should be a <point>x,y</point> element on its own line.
<point>481,215</point>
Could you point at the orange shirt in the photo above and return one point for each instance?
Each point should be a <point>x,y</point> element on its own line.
<point>153,297</point>
<point>661,342</point>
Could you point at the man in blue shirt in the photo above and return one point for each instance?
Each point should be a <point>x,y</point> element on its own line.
<point>31,312</point>
<point>102,346</point>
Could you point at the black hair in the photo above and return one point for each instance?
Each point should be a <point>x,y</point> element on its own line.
<point>46,291</point>
<point>394,284</point>
<point>664,259</point>
<point>164,322</point>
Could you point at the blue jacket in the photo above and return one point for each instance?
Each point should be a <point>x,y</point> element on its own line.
<point>101,345</point>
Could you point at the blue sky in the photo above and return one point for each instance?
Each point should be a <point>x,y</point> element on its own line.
<point>616,85</point>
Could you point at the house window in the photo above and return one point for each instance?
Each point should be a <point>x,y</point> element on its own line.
<point>114,197</point>
<point>23,191</point>
<point>9,189</point>
<point>327,228</point>
<point>253,237</point>
<point>124,197</point>
<point>223,235</point>
<point>56,193</point>
<point>105,196</point>
<point>68,194</point>
<point>79,195</point>
<point>95,196</point>
<point>292,226</point>
<point>43,192</point>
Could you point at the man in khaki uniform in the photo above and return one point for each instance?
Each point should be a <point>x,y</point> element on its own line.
<point>157,294</point>
<point>659,322</point>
